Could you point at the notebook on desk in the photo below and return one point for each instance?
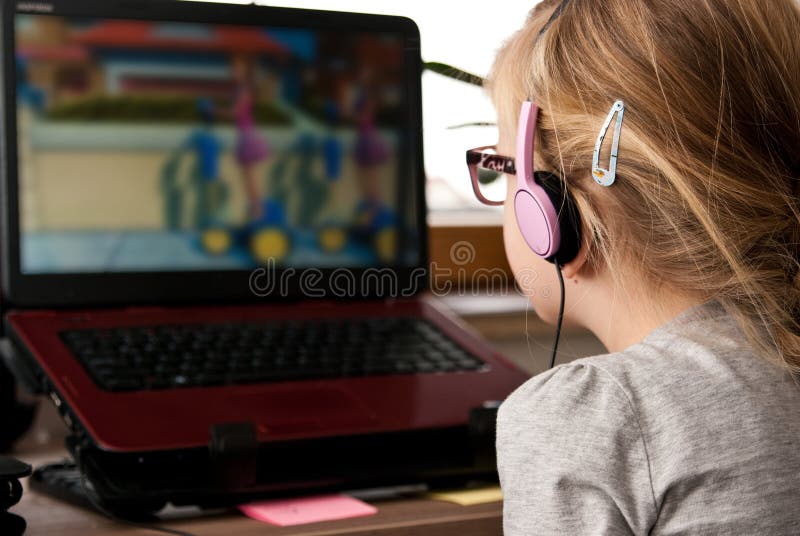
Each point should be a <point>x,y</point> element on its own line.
<point>215,214</point>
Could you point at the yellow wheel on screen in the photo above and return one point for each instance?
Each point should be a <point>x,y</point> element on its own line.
<point>216,241</point>
<point>385,245</point>
<point>272,243</point>
<point>332,239</point>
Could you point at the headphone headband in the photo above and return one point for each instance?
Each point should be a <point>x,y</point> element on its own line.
<point>536,212</point>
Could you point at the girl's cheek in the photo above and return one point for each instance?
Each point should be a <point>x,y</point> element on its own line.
<point>517,250</point>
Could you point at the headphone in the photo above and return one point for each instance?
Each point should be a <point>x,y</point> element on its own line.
<point>547,215</point>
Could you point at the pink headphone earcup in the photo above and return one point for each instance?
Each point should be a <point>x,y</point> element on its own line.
<point>537,229</point>
<point>548,218</point>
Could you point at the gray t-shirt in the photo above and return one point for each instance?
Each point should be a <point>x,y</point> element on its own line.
<point>687,432</point>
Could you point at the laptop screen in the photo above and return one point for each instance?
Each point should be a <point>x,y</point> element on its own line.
<point>172,146</point>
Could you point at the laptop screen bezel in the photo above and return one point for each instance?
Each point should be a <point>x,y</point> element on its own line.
<point>60,290</point>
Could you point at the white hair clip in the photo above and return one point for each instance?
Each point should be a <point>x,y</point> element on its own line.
<point>606,177</point>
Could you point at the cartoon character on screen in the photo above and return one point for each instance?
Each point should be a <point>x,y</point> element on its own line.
<point>371,151</point>
<point>294,182</point>
<point>375,221</point>
<point>265,236</point>
<point>205,182</point>
<point>251,147</point>
<point>211,192</point>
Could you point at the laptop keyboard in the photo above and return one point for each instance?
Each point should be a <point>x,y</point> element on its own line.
<point>178,356</point>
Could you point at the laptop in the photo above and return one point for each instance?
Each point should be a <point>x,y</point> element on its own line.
<point>214,217</point>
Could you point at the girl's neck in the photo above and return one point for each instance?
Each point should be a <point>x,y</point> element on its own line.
<point>623,318</point>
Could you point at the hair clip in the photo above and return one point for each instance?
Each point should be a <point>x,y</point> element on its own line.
<point>606,177</point>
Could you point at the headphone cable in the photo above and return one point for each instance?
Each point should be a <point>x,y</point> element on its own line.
<point>560,314</point>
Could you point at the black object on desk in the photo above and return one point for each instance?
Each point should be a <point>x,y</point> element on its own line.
<point>15,418</point>
<point>11,470</point>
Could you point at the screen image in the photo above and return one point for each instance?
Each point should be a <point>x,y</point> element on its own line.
<point>161,146</point>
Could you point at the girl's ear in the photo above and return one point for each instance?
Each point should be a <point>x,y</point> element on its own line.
<point>573,267</point>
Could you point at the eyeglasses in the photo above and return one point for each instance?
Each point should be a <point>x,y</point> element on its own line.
<point>486,168</point>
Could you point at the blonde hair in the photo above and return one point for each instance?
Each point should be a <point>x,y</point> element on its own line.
<point>706,200</point>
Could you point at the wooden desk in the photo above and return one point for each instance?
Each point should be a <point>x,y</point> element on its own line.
<point>414,516</point>
<point>398,518</point>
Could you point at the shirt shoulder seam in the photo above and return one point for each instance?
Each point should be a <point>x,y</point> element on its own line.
<point>635,413</point>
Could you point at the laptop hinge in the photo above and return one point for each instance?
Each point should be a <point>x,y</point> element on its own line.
<point>233,453</point>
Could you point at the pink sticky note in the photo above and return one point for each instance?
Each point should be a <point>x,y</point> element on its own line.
<point>303,510</point>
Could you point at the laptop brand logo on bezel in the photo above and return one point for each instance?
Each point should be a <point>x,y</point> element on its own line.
<point>38,7</point>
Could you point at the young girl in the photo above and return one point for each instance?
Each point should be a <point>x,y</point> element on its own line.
<point>683,260</point>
